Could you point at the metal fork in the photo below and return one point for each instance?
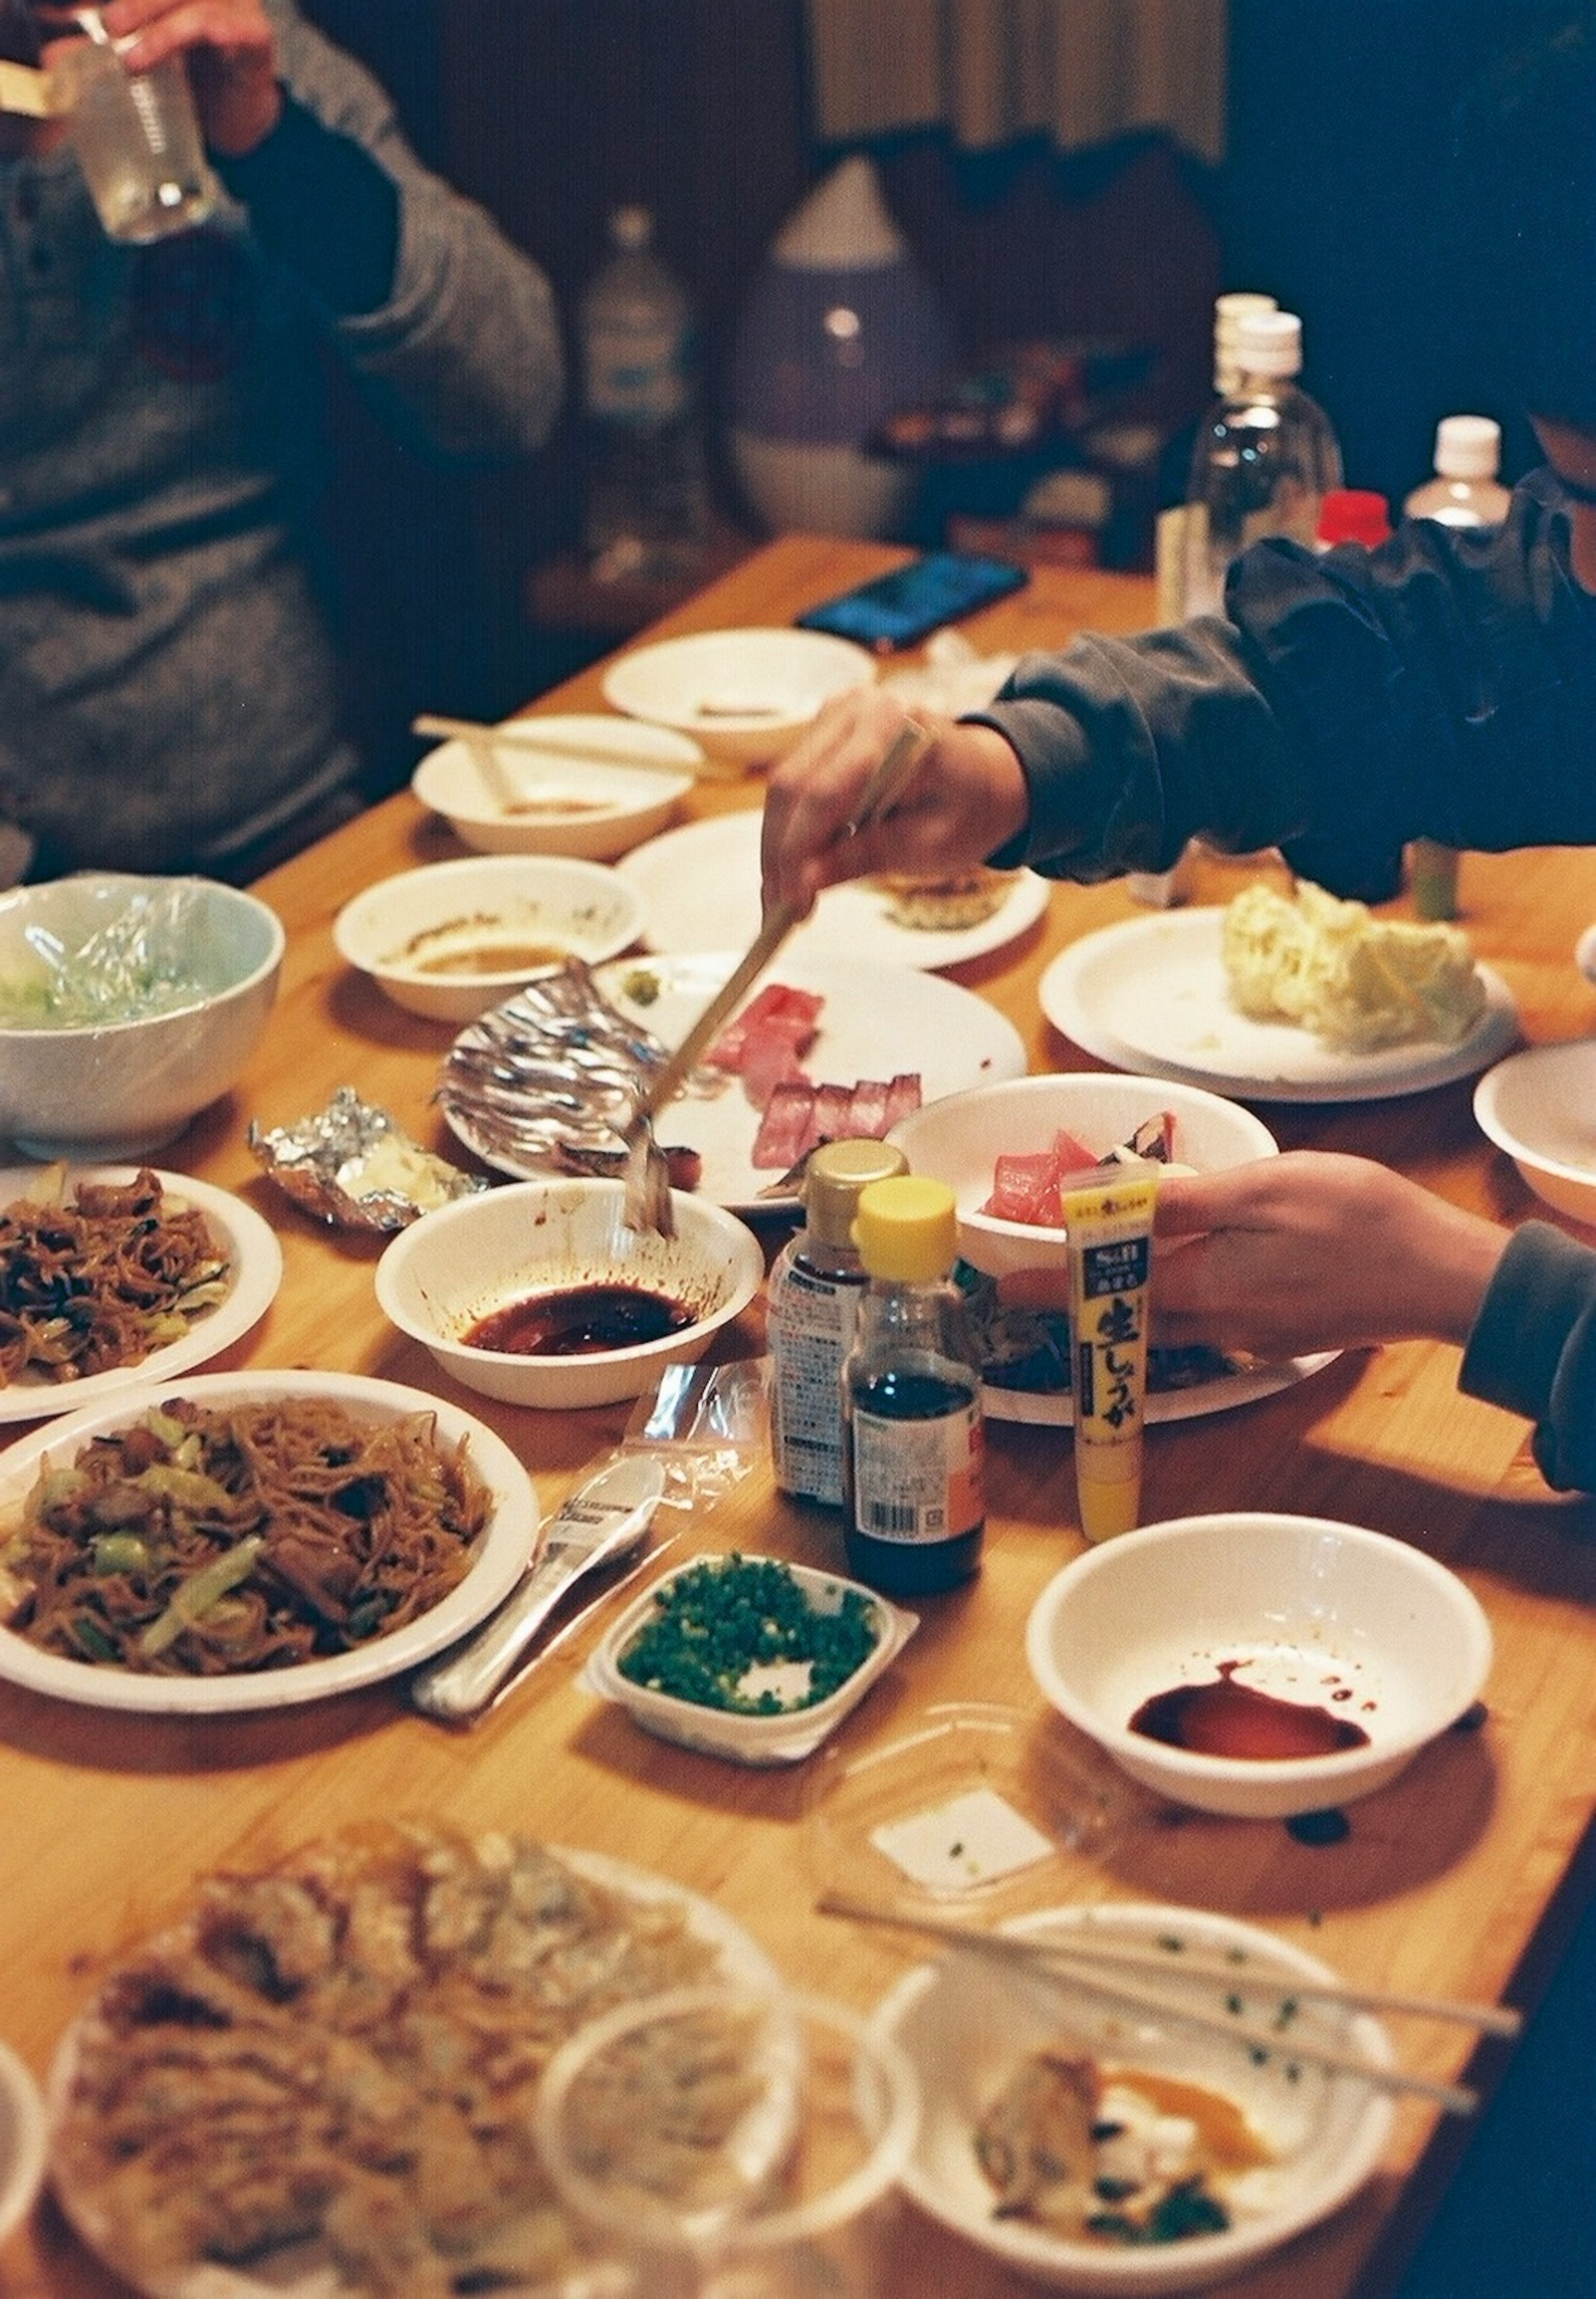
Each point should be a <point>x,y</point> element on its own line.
<point>647,1204</point>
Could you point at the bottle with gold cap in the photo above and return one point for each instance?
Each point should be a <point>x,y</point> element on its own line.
<point>811,1305</point>
<point>915,1507</point>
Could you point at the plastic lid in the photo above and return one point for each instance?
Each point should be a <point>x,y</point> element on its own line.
<point>1269,343</point>
<point>631,228</point>
<point>1354,514</point>
<point>907,1229</point>
<point>1229,312</point>
<point>832,1179</point>
<point>1468,447</point>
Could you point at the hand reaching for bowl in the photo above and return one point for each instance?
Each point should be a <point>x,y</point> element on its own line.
<point>967,797</point>
<point>1310,1250</point>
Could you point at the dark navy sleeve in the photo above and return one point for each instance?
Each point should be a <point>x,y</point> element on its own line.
<point>1532,1349</point>
<point>322,205</point>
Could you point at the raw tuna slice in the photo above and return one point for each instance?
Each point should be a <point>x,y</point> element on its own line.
<point>797,1010</point>
<point>784,1128</point>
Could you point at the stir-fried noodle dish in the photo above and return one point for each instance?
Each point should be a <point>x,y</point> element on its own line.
<point>199,1542</point>
<point>337,2064</point>
<point>101,1278</point>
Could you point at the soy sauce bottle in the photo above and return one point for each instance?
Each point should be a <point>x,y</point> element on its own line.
<point>914,1495</point>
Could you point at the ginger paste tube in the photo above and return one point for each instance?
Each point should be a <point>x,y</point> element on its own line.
<point>1109,1225</point>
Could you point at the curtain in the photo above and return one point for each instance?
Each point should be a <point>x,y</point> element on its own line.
<point>1084,72</point>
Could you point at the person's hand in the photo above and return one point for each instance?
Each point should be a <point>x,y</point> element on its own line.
<point>230,51</point>
<point>1312,1251</point>
<point>966,797</point>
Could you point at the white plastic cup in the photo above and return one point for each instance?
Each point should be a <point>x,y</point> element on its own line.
<point>138,139</point>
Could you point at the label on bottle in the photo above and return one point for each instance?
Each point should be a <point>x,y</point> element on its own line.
<point>636,375</point>
<point>918,1481</point>
<point>812,1322</point>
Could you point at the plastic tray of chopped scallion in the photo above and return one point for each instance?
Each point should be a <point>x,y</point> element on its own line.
<point>748,1658</point>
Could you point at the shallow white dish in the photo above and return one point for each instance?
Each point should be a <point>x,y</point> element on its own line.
<point>700,888</point>
<point>398,929</point>
<point>959,1139</point>
<point>567,804</point>
<point>743,694</point>
<point>504,1549</point>
<point>967,2023</point>
<point>256,1272</point>
<point>782,1739</point>
<point>1539,1106</point>
<point>23,2141</point>
<point>739,1962</point>
<point>456,1265</point>
<point>878,1020</point>
<point>1151,995</point>
<point>1327,1616</point>
<point>118,1090</point>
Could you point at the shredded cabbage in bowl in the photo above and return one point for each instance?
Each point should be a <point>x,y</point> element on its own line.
<point>135,966</point>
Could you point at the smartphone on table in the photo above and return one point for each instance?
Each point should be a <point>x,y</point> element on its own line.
<point>899,609</point>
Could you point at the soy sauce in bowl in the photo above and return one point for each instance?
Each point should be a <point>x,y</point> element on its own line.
<point>580,1321</point>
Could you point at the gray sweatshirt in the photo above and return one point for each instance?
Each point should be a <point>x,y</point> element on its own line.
<point>168,684</point>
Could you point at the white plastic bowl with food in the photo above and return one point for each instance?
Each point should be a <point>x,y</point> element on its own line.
<point>540,1293</point>
<point>128,1004</point>
<point>960,1139</point>
<point>452,939</point>
<point>1256,1665</point>
<point>1539,1106</point>
<point>579,783</point>
<point>1010,2063</point>
<point>744,695</point>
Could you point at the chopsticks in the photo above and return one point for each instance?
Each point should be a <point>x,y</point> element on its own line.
<point>528,736</point>
<point>1120,1973</point>
<point>32,93</point>
<point>647,1185</point>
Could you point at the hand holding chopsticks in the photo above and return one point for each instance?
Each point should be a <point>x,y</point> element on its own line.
<point>1120,1972</point>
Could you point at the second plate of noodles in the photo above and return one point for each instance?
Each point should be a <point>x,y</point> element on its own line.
<point>252,1540</point>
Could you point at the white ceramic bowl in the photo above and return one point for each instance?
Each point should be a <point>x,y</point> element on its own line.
<point>1539,1106</point>
<point>459,1265</point>
<point>22,2141</point>
<point>566,804</point>
<point>1331,1617</point>
<point>784,1737</point>
<point>415,934</point>
<point>118,1090</point>
<point>968,2022</point>
<point>959,1139</point>
<point>745,695</point>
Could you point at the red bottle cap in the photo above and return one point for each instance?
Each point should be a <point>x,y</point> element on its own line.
<point>1354,514</point>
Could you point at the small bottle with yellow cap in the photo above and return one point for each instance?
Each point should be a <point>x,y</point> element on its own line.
<point>812,1301</point>
<point>915,1507</point>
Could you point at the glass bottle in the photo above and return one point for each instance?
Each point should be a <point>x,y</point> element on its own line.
<point>811,1308</point>
<point>1263,461</point>
<point>914,1509</point>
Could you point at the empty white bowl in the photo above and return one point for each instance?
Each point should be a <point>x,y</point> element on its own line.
<point>567,802</point>
<point>106,1091</point>
<point>969,2022</point>
<point>529,1240</point>
<point>745,695</point>
<point>452,939</point>
<point>959,1139</point>
<point>1539,1106</point>
<point>1334,1619</point>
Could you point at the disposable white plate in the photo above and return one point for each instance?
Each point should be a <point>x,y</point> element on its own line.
<point>1055,1408</point>
<point>255,1261</point>
<point>502,1550</point>
<point>1151,995</point>
<point>877,1021</point>
<point>700,886</point>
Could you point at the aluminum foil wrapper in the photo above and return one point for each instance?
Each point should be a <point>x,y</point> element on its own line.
<point>352,1166</point>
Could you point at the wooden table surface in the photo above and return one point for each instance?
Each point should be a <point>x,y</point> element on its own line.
<point>1457,1879</point>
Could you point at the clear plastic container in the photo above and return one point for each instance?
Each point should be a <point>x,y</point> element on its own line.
<point>1465,491</point>
<point>646,509</point>
<point>1263,462</point>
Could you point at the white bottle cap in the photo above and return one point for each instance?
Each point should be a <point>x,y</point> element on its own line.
<point>1468,447</point>
<point>631,228</point>
<point>1229,312</point>
<point>1269,343</point>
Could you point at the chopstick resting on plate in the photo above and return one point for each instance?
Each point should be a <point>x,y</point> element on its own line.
<point>529,739</point>
<point>1117,1972</point>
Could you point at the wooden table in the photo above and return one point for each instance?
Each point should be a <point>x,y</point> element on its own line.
<point>1460,1878</point>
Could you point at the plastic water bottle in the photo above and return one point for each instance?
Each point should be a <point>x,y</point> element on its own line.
<point>1465,491</point>
<point>646,509</point>
<point>1263,462</point>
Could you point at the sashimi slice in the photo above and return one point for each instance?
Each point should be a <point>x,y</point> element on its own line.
<point>784,1128</point>
<point>798,1009</point>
